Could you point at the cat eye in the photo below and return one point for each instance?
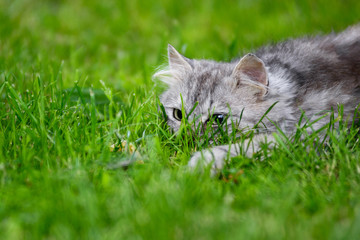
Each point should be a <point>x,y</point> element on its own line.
<point>218,118</point>
<point>177,114</point>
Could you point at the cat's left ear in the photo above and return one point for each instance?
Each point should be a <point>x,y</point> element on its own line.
<point>178,61</point>
<point>251,70</point>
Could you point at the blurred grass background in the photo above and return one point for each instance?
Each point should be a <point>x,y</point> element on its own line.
<point>55,56</point>
<point>123,41</point>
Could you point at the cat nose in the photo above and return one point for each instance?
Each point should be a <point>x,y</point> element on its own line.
<point>203,119</point>
<point>200,125</point>
<point>203,123</point>
<point>203,127</point>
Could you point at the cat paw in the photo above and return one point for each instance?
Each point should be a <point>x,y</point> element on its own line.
<point>209,157</point>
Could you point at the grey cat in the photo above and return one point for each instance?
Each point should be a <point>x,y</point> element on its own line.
<point>307,74</point>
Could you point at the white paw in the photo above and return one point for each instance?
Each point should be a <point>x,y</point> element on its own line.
<point>214,157</point>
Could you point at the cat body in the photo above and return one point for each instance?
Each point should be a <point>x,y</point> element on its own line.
<point>301,75</point>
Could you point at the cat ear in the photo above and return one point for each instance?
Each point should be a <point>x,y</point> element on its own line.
<point>178,61</point>
<point>178,66</point>
<point>251,70</point>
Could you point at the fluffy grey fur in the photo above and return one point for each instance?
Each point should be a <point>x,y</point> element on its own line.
<point>309,74</point>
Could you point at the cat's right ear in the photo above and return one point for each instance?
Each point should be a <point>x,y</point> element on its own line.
<point>177,61</point>
<point>251,70</point>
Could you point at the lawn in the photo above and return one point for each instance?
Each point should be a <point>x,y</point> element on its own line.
<point>77,97</point>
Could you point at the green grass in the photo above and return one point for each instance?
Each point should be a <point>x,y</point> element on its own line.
<point>75,78</point>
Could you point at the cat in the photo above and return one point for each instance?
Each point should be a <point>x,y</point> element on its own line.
<point>310,75</point>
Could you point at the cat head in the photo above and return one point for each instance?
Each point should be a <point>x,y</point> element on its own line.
<point>222,92</point>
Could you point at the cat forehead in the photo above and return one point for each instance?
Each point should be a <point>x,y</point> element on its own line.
<point>204,85</point>
<point>204,98</point>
